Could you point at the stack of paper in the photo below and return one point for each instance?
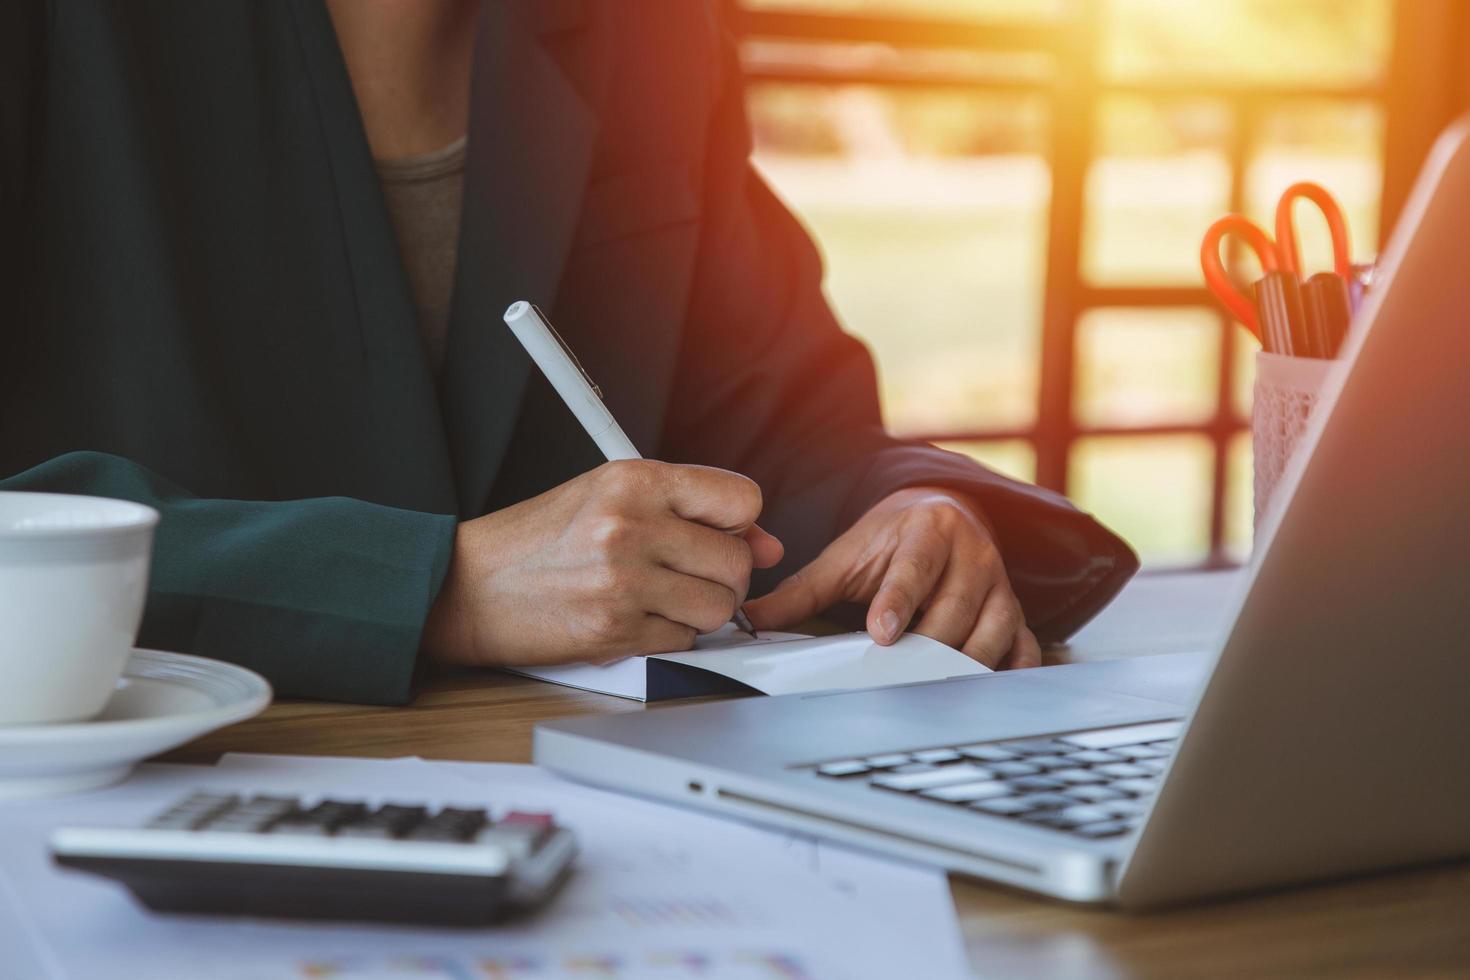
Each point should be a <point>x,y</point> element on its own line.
<point>658,892</point>
<point>728,660</point>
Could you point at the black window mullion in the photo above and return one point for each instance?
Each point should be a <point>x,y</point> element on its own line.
<point>1074,113</point>
<point>1244,124</point>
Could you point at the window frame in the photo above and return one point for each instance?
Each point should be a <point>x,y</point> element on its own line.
<point>1425,86</point>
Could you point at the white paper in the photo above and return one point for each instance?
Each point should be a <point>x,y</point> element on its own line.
<point>772,663</point>
<point>659,892</point>
<point>22,954</point>
<point>830,663</point>
<point>628,677</point>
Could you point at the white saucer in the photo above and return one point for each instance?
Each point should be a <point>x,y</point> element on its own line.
<point>162,700</point>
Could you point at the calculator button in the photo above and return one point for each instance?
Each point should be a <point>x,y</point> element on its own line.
<point>321,820</point>
<point>254,816</point>
<point>523,818</point>
<point>236,822</point>
<point>935,756</point>
<point>206,801</point>
<point>1094,794</point>
<point>194,811</point>
<point>843,767</point>
<point>385,822</point>
<point>334,813</point>
<point>450,824</point>
<point>519,833</point>
<point>1012,769</point>
<point>888,761</point>
<point>989,753</point>
<point>174,821</point>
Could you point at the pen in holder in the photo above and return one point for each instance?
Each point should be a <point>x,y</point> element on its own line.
<point>1286,393</point>
<point>1300,321</point>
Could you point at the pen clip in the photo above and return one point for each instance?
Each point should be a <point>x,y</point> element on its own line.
<point>568,351</point>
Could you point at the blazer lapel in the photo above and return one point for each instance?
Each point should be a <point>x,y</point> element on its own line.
<point>530,146</point>
<point>406,461</point>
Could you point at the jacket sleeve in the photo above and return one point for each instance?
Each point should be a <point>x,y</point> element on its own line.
<point>326,598</point>
<point>770,385</point>
<point>22,81</point>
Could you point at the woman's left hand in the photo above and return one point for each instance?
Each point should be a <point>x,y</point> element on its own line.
<point>922,552</point>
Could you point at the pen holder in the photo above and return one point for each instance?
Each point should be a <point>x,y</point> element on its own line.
<point>1286,392</point>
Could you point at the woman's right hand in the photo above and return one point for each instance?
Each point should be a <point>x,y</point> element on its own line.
<point>636,556</point>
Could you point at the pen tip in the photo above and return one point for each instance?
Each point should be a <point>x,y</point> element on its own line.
<point>743,622</point>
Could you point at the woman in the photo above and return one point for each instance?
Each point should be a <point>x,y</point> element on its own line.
<point>254,279</point>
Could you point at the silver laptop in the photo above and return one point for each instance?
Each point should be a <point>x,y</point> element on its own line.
<point>1327,734</point>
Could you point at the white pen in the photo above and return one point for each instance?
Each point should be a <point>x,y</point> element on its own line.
<point>567,376</point>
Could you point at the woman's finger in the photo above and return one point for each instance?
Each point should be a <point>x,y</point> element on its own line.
<point>954,608</point>
<point>916,564</point>
<point>696,602</point>
<point>1025,651</point>
<point>765,548</point>
<point>703,552</point>
<point>806,593</point>
<point>659,635</point>
<point>995,631</point>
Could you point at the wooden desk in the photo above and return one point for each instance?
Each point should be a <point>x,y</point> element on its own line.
<point>1414,924</point>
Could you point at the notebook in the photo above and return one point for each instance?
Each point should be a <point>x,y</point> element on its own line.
<point>729,661</point>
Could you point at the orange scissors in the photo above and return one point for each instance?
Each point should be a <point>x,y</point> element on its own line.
<point>1282,254</point>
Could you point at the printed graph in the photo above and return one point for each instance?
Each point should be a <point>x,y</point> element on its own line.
<point>654,912</point>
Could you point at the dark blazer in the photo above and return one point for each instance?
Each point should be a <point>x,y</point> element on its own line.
<point>204,309</point>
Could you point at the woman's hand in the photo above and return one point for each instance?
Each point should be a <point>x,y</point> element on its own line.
<point>634,557</point>
<point>921,552</point>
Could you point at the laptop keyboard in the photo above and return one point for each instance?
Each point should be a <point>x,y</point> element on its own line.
<point>1093,784</point>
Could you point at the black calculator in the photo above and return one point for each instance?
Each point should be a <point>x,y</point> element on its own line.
<point>289,857</point>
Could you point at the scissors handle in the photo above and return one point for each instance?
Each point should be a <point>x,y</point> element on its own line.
<point>1286,243</point>
<point>1219,281</point>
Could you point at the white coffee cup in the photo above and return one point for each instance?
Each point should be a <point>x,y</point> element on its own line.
<point>73,578</point>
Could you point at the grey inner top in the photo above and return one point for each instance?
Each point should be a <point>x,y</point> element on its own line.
<point>423,196</point>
